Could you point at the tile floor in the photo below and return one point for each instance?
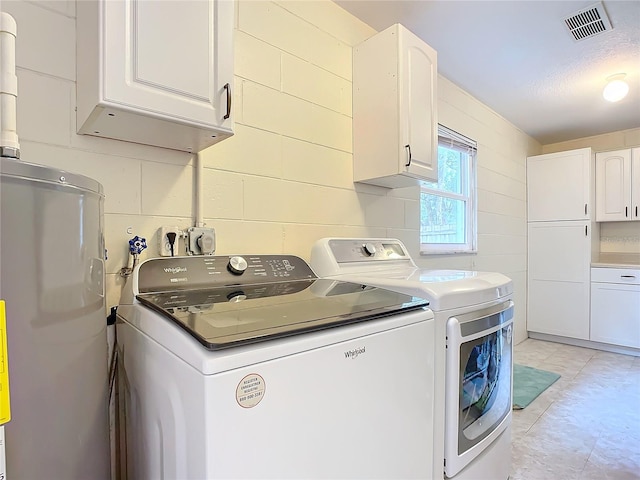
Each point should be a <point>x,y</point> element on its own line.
<point>586,426</point>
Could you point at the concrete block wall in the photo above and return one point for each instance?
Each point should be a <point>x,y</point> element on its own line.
<point>285,178</point>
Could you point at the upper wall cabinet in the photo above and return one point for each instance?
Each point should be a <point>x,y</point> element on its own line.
<point>560,186</point>
<point>395,121</point>
<point>157,72</point>
<point>618,185</point>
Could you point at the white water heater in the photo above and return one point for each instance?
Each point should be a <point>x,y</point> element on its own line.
<point>52,280</point>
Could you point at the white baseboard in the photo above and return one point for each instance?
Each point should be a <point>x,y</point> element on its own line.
<point>586,343</point>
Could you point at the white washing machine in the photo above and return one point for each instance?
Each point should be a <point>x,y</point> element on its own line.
<point>473,348</point>
<point>252,367</point>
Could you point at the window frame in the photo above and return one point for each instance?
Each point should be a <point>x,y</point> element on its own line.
<point>450,139</point>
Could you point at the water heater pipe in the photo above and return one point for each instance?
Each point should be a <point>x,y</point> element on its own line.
<point>9,145</point>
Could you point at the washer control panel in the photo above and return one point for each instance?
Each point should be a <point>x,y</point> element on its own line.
<point>237,265</point>
<point>192,272</point>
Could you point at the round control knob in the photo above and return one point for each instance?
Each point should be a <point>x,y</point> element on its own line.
<point>369,249</point>
<point>237,265</point>
<point>236,297</point>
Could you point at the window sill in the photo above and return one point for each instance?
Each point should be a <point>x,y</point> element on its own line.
<point>424,253</point>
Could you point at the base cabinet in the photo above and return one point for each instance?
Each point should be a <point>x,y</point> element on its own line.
<point>615,306</point>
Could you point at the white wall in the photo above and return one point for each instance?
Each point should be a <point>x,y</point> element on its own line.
<point>615,237</point>
<point>599,143</point>
<point>285,178</point>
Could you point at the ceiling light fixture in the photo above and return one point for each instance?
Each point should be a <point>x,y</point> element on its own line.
<point>616,88</point>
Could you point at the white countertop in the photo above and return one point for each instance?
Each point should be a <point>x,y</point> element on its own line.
<point>617,260</point>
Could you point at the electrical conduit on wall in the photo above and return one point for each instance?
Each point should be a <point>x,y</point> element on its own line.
<point>198,171</point>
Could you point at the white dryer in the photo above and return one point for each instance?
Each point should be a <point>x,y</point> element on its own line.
<point>252,367</point>
<point>473,348</point>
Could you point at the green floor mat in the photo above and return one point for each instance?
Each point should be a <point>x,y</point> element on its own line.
<point>528,383</point>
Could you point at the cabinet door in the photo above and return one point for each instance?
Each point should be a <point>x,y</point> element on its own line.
<point>559,270</point>
<point>635,183</point>
<point>559,186</point>
<point>394,110</point>
<point>419,146</point>
<point>170,58</point>
<point>613,186</point>
<point>615,314</point>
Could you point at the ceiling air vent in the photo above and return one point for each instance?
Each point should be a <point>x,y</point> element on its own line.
<point>588,22</point>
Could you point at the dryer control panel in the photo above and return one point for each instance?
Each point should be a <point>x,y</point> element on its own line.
<point>367,249</point>
<point>181,273</point>
<point>340,256</point>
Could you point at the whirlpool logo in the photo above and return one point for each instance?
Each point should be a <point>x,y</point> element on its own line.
<point>175,270</point>
<point>353,354</point>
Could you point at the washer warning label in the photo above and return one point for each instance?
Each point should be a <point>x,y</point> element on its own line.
<point>250,391</point>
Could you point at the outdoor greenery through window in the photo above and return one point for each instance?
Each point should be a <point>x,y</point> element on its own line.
<point>448,207</point>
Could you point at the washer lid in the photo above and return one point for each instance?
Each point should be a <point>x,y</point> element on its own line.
<point>228,316</point>
<point>444,289</point>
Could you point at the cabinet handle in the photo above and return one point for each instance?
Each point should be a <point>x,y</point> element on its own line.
<point>627,276</point>
<point>626,212</point>
<point>636,210</point>
<point>585,230</point>
<point>585,208</point>
<point>408,147</point>
<point>227,87</point>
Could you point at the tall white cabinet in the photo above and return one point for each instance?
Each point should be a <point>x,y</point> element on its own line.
<point>561,237</point>
<point>618,185</point>
<point>395,125</point>
<point>560,186</point>
<point>559,276</point>
<point>157,72</point>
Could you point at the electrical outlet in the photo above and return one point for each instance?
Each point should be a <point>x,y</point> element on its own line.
<point>202,241</point>
<point>164,247</point>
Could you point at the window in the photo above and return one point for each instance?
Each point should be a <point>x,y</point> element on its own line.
<point>448,207</point>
